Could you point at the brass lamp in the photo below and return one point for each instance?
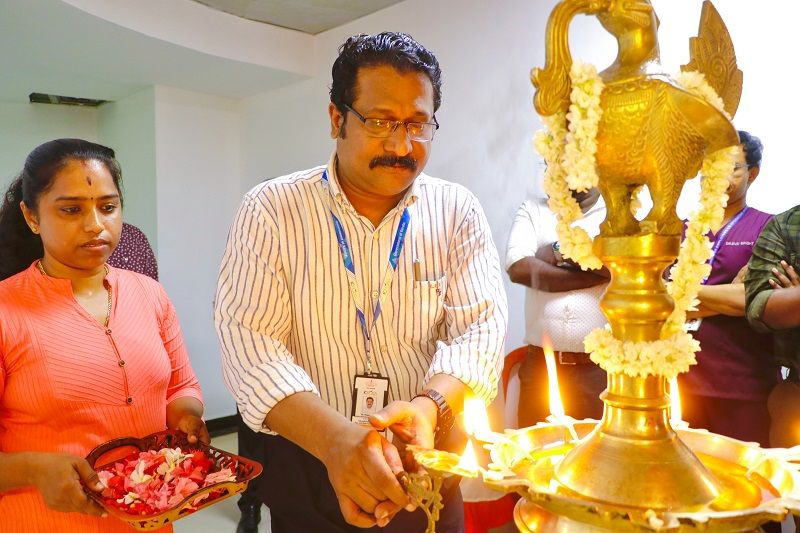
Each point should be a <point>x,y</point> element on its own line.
<point>633,471</point>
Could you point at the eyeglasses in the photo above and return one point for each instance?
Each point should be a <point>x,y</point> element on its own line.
<point>381,127</point>
<point>740,166</point>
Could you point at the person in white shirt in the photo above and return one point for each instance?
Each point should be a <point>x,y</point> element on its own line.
<point>363,275</point>
<point>562,304</point>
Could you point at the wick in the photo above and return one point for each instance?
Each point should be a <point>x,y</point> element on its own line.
<point>567,422</point>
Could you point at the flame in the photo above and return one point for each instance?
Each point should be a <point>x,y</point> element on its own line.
<point>476,421</point>
<point>556,407</point>
<point>469,460</point>
<point>675,414</point>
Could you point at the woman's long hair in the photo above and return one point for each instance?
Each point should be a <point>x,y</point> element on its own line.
<point>19,246</point>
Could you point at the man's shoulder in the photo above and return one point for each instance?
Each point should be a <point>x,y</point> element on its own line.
<point>281,184</point>
<point>534,207</point>
<point>432,183</point>
<point>790,217</point>
<point>759,215</point>
<point>448,192</point>
<point>756,220</point>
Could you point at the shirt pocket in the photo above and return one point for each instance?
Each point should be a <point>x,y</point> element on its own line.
<point>427,297</point>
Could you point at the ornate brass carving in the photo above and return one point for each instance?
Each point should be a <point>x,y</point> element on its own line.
<point>712,54</point>
<point>424,491</point>
<point>652,131</point>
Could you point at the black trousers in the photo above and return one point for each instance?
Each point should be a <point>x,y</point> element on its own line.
<point>580,387</point>
<point>295,487</point>
<point>251,445</point>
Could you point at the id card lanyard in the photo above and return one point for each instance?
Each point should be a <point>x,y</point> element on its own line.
<point>723,234</point>
<point>386,279</point>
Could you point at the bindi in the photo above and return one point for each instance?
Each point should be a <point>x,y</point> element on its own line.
<point>89,180</point>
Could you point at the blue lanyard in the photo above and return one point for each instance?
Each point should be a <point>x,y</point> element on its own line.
<point>722,235</point>
<point>388,274</point>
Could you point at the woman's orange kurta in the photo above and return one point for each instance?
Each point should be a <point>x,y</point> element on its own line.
<point>67,383</point>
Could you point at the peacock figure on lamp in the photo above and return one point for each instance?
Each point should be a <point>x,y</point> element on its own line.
<point>652,130</point>
<point>631,126</point>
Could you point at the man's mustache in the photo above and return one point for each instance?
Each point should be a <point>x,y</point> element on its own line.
<point>394,161</point>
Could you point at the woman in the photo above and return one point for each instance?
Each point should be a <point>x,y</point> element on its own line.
<point>88,352</point>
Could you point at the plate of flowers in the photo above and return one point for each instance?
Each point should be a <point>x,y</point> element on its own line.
<point>152,481</point>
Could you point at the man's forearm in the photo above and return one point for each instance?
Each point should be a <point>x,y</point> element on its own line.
<point>782,310</point>
<point>543,276</point>
<point>307,421</point>
<point>726,299</point>
<point>702,312</point>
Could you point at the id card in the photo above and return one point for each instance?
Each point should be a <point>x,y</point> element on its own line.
<point>692,324</point>
<point>370,395</point>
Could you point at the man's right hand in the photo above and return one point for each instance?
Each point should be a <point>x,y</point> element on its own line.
<point>362,467</point>
<point>58,476</point>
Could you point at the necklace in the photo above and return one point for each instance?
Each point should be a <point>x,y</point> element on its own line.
<point>106,285</point>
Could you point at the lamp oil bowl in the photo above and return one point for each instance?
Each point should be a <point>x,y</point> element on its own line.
<point>752,486</point>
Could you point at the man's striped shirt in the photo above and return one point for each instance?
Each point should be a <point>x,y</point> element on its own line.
<point>286,319</point>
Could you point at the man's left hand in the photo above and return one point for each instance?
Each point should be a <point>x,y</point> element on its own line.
<point>410,423</point>
<point>545,253</point>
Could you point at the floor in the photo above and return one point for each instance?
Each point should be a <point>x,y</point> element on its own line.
<point>222,517</point>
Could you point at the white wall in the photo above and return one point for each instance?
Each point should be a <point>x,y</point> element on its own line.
<point>197,163</point>
<point>23,127</point>
<point>128,126</point>
<point>283,131</point>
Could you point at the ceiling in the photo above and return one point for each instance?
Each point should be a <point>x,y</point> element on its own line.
<point>308,16</point>
<point>108,50</point>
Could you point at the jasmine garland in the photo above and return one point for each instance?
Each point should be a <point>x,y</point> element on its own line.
<point>568,146</point>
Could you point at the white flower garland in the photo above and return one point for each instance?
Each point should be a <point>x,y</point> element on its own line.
<point>568,145</point>
<point>569,152</point>
<point>666,357</point>
<point>692,266</point>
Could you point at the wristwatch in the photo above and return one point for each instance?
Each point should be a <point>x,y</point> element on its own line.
<point>557,254</point>
<point>444,416</point>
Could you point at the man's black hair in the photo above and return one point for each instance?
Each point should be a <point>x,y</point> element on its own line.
<point>753,148</point>
<point>397,50</point>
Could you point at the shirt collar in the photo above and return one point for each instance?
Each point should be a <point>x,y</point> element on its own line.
<point>64,285</point>
<point>411,196</point>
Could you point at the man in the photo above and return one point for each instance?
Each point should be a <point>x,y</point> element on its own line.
<point>772,290</point>
<point>562,304</point>
<point>735,370</point>
<point>361,274</point>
